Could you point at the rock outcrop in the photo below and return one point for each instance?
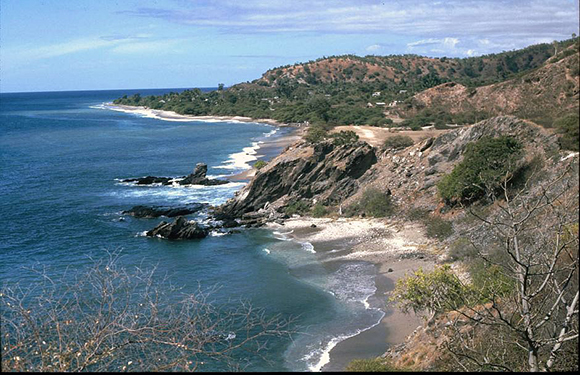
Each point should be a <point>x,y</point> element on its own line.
<point>197,177</point>
<point>180,229</point>
<point>322,172</point>
<point>156,211</point>
<point>412,174</point>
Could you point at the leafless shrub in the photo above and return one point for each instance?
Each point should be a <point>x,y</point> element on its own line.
<point>110,319</point>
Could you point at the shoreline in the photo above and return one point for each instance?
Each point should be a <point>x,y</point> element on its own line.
<point>394,248</point>
<point>262,150</point>
<point>174,116</point>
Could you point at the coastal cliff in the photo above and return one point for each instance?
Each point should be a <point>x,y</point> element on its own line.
<point>323,173</point>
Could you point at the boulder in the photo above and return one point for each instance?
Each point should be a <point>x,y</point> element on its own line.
<point>156,211</point>
<point>180,229</point>
<point>323,171</point>
<point>198,177</point>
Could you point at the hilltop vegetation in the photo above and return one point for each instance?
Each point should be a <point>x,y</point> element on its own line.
<point>371,90</point>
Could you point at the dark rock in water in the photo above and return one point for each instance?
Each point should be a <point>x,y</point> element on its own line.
<point>230,224</point>
<point>156,211</point>
<point>149,180</point>
<point>180,229</point>
<point>198,177</point>
<point>312,225</point>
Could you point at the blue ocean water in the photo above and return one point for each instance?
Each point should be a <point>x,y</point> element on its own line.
<point>61,157</point>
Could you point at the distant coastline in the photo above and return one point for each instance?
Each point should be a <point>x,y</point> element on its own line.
<point>174,116</point>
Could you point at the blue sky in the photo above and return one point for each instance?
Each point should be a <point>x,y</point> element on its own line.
<point>54,45</point>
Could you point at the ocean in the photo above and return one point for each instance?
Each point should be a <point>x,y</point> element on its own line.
<point>63,155</point>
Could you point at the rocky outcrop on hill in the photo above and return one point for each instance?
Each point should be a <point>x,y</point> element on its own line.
<point>411,174</point>
<point>156,211</point>
<point>322,172</point>
<point>180,229</point>
<point>197,177</point>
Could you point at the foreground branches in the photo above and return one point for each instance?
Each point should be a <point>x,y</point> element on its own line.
<point>520,311</point>
<point>109,319</point>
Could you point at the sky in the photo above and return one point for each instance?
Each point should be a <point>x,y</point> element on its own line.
<point>59,45</point>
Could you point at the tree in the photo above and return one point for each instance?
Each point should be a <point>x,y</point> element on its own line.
<point>109,319</point>
<point>220,86</point>
<point>486,163</point>
<point>530,242</point>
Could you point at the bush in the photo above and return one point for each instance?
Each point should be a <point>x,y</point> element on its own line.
<point>111,319</point>
<point>344,138</point>
<point>260,164</point>
<point>373,203</point>
<point>398,141</point>
<point>461,250</point>
<point>417,214</point>
<point>319,210</point>
<point>316,133</point>
<point>371,365</point>
<point>437,227</point>
<point>569,128</point>
<point>297,207</point>
<point>485,164</point>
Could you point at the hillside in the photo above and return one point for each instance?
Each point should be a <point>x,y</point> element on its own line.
<point>542,95</point>
<point>373,90</point>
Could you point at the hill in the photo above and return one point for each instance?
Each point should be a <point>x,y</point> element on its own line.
<point>352,90</point>
<point>542,94</point>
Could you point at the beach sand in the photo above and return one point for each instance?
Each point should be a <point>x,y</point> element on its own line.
<point>173,116</point>
<point>395,248</point>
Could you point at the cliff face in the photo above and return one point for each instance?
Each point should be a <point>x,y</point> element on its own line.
<point>324,172</point>
<point>334,175</point>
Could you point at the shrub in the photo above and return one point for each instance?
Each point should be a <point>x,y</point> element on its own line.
<point>437,227</point>
<point>319,210</point>
<point>373,203</point>
<point>568,127</point>
<point>398,141</point>
<point>415,214</point>
<point>440,124</point>
<point>371,365</point>
<point>434,291</point>
<point>316,133</point>
<point>297,207</point>
<point>461,250</point>
<point>485,164</point>
<point>260,164</point>
<point>344,138</point>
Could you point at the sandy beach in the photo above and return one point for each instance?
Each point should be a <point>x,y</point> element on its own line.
<point>395,248</point>
<point>173,116</point>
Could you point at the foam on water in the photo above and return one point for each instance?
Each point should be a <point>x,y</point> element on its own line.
<point>307,246</point>
<point>352,284</point>
<point>241,160</point>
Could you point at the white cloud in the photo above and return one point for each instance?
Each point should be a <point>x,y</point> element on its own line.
<point>411,17</point>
